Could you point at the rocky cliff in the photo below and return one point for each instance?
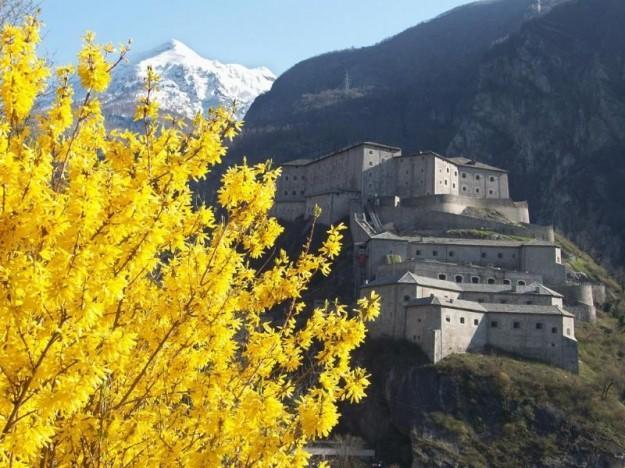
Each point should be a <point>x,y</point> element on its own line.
<point>550,107</point>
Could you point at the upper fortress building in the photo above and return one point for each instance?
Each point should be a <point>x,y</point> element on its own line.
<point>457,263</point>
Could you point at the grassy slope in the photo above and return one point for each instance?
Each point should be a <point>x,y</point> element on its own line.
<point>546,413</point>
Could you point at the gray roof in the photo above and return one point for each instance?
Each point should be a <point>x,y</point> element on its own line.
<point>530,289</point>
<point>466,162</point>
<point>411,278</point>
<point>305,162</point>
<point>525,309</point>
<point>296,162</point>
<point>490,307</point>
<point>461,161</point>
<point>449,303</point>
<point>460,241</point>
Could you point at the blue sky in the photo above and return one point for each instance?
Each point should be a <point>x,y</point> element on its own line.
<point>275,33</point>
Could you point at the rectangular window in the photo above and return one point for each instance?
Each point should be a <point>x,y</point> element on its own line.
<point>418,252</point>
<point>461,319</point>
<point>451,253</point>
<point>554,330</point>
<point>475,322</point>
<point>539,326</point>
<point>499,255</point>
<point>493,324</point>
<point>448,319</point>
<point>516,325</point>
<point>434,253</point>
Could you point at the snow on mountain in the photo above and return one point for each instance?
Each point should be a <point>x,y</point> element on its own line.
<point>189,83</point>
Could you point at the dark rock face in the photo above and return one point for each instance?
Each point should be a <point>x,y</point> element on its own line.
<point>407,90</point>
<point>476,411</point>
<point>550,107</point>
<point>538,90</point>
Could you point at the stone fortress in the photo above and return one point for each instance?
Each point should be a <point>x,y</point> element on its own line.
<point>456,262</point>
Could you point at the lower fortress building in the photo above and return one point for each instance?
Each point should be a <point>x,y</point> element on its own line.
<point>456,262</point>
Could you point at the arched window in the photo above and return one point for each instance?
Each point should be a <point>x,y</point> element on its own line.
<point>458,278</point>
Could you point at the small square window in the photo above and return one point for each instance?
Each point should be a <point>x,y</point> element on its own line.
<point>451,253</point>
<point>516,325</point>
<point>539,326</point>
<point>434,253</point>
<point>477,190</point>
<point>448,319</point>
<point>490,192</point>
<point>464,189</point>
<point>442,276</point>
<point>493,324</point>
<point>483,254</point>
<point>554,330</point>
<point>499,255</point>
<point>477,177</point>
<point>406,298</point>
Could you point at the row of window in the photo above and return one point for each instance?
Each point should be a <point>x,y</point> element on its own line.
<point>477,189</point>
<point>303,177</point>
<point>516,325</point>
<point>477,177</point>
<point>451,254</point>
<point>294,192</point>
<point>477,280</point>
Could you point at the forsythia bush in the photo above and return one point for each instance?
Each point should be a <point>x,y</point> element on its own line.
<point>134,325</point>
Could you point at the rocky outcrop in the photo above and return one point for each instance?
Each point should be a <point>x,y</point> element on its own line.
<point>550,107</point>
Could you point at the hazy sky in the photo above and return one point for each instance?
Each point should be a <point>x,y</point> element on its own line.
<point>275,33</point>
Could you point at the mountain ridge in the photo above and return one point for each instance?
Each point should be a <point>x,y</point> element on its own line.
<point>189,83</point>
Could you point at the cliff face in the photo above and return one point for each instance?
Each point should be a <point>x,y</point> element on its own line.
<point>472,410</point>
<point>407,90</point>
<point>550,107</point>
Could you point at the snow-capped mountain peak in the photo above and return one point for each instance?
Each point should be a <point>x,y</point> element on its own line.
<point>189,83</point>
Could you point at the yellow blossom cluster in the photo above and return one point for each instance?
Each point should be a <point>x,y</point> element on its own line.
<point>140,328</point>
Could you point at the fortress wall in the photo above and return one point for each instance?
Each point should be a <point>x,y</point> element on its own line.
<point>289,210</point>
<point>579,300</point>
<point>413,218</point>
<point>501,256</point>
<point>451,270</point>
<point>423,327</point>
<point>549,344</point>
<point>514,211</point>
<point>334,206</point>
<point>462,331</point>
<point>598,293</point>
<point>544,259</point>
<point>510,298</point>
<point>391,321</point>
